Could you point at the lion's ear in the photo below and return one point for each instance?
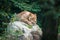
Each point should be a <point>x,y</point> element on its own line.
<point>35,14</point>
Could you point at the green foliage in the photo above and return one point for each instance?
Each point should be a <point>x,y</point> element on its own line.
<point>4,19</point>
<point>41,7</point>
<point>27,5</point>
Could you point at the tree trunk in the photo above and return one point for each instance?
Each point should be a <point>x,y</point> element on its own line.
<point>49,27</point>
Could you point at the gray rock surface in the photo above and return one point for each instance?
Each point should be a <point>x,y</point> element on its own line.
<point>20,31</point>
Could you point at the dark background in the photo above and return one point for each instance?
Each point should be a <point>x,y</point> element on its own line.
<point>48,15</point>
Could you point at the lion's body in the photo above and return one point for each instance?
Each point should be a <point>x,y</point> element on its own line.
<point>27,17</point>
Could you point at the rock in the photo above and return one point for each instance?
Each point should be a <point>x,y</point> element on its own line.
<point>22,37</point>
<point>34,33</point>
<point>59,36</point>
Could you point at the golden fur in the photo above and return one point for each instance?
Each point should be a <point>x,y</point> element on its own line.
<point>27,17</point>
